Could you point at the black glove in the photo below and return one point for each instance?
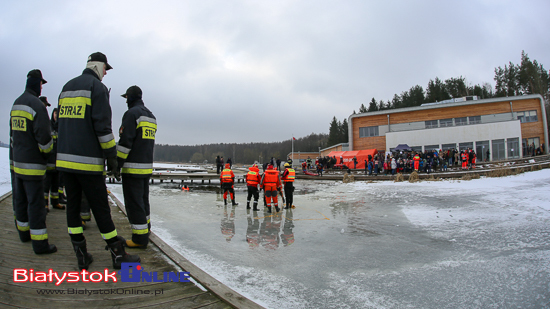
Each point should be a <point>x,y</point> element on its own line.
<point>112,167</point>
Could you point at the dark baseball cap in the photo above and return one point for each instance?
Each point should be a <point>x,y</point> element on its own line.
<point>45,100</point>
<point>37,74</point>
<point>101,58</point>
<point>133,91</point>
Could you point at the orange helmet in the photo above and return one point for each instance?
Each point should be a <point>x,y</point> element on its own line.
<point>270,166</point>
<point>227,165</point>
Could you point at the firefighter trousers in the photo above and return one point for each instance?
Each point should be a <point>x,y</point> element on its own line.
<point>93,187</point>
<point>136,200</point>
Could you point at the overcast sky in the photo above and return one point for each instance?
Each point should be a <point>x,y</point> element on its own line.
<point>262,71</point>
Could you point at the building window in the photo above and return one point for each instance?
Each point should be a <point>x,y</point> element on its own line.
<point>462,121</point>
<point>431,124</point>
<point>417,149</point>
<point>528,144</point>
<point>465,146</point>
<point>527,116</point>
<point>513,148</point>
<point>498,149</point>
<point>474,119</point>
<point>368,131</point>
<point>448,146</point>
<point>446,122</point>
<point>431,148</point>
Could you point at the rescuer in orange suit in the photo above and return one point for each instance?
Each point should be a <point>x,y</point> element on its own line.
<point>253,179</point>
<point>227,179</point>
<point>271,183</point>
<point>288,179</point>
<point>416,160</point>
<point>464,157</point>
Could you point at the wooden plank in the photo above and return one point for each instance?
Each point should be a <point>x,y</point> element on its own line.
<point>15,254</point>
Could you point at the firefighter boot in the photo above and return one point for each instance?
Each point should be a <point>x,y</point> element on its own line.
<point>225,201</point>
<point>43,247</point>
<point>24,236</point>
<point>233,202</point>
<point>269,209</point>
<point>247,204</point>
<point>131,244</point>
<point>119,255</point>
<point>277,208</point>
<point>255,208</point>
<point>82,255</point>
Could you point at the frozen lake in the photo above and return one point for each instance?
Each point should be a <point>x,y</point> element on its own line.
<point>450,244</point>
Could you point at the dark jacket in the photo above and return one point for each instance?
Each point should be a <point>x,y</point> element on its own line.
<point>53,154</point>
<point>85,137</point>
<point>30,136</point>
<point>137,140</point>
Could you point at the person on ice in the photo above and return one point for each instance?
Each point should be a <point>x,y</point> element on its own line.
<point>253,179</point>
<point>271,183</point>
<point>288,178</point>
<point>227,180</point>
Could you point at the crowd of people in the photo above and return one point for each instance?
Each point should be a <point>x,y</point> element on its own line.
<point>408,161</point>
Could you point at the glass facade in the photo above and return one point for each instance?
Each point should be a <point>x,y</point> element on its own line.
<point>481,150</point>
<point>368,131</point>
<point>513,148</point>
<point>498,149</point>
<point>465,146</point>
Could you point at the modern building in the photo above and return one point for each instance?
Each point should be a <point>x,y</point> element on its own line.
<point>504,126</point>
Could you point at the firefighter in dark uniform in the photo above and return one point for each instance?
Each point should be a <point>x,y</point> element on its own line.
<point>227,180</point>
<point>253,179</point>
<point>135,157</point>
<point>288,179</point>
<point>85,139</point>
<point>51,182</point>
<point>32,143</point>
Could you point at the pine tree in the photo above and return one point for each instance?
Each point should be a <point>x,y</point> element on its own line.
<point>363,109</point>
<point>373,106</point>
<point>344,131</point>
<point>334,132</point>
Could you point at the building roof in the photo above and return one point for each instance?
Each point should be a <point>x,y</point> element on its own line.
<point>449,104</point>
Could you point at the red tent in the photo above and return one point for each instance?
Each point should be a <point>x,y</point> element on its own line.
<point>361,156</point>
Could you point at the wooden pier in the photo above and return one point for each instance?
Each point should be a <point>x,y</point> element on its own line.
<point>158,257</point>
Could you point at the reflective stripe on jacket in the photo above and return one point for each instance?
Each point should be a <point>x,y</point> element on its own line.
<point>289,175</point>
<point>85,137</point>
<point>137,140</point>
<point>253,177</point>
<point>30,136</point>
<point>227,176</point>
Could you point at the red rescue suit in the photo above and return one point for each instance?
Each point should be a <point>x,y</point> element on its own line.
<point>271,183</point>
<point>416,160</point>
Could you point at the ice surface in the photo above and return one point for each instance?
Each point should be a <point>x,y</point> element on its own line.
<point>448,244</point>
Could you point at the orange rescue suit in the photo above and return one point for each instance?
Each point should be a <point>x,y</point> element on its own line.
<point>253,177</point>
<point>227,176</point>
<point>289,175</point>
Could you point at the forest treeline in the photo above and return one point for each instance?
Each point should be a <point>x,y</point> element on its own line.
<point>528,77</point>
<point>239,153</point>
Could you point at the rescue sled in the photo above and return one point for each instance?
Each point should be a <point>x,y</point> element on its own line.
<point>309,173</point>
